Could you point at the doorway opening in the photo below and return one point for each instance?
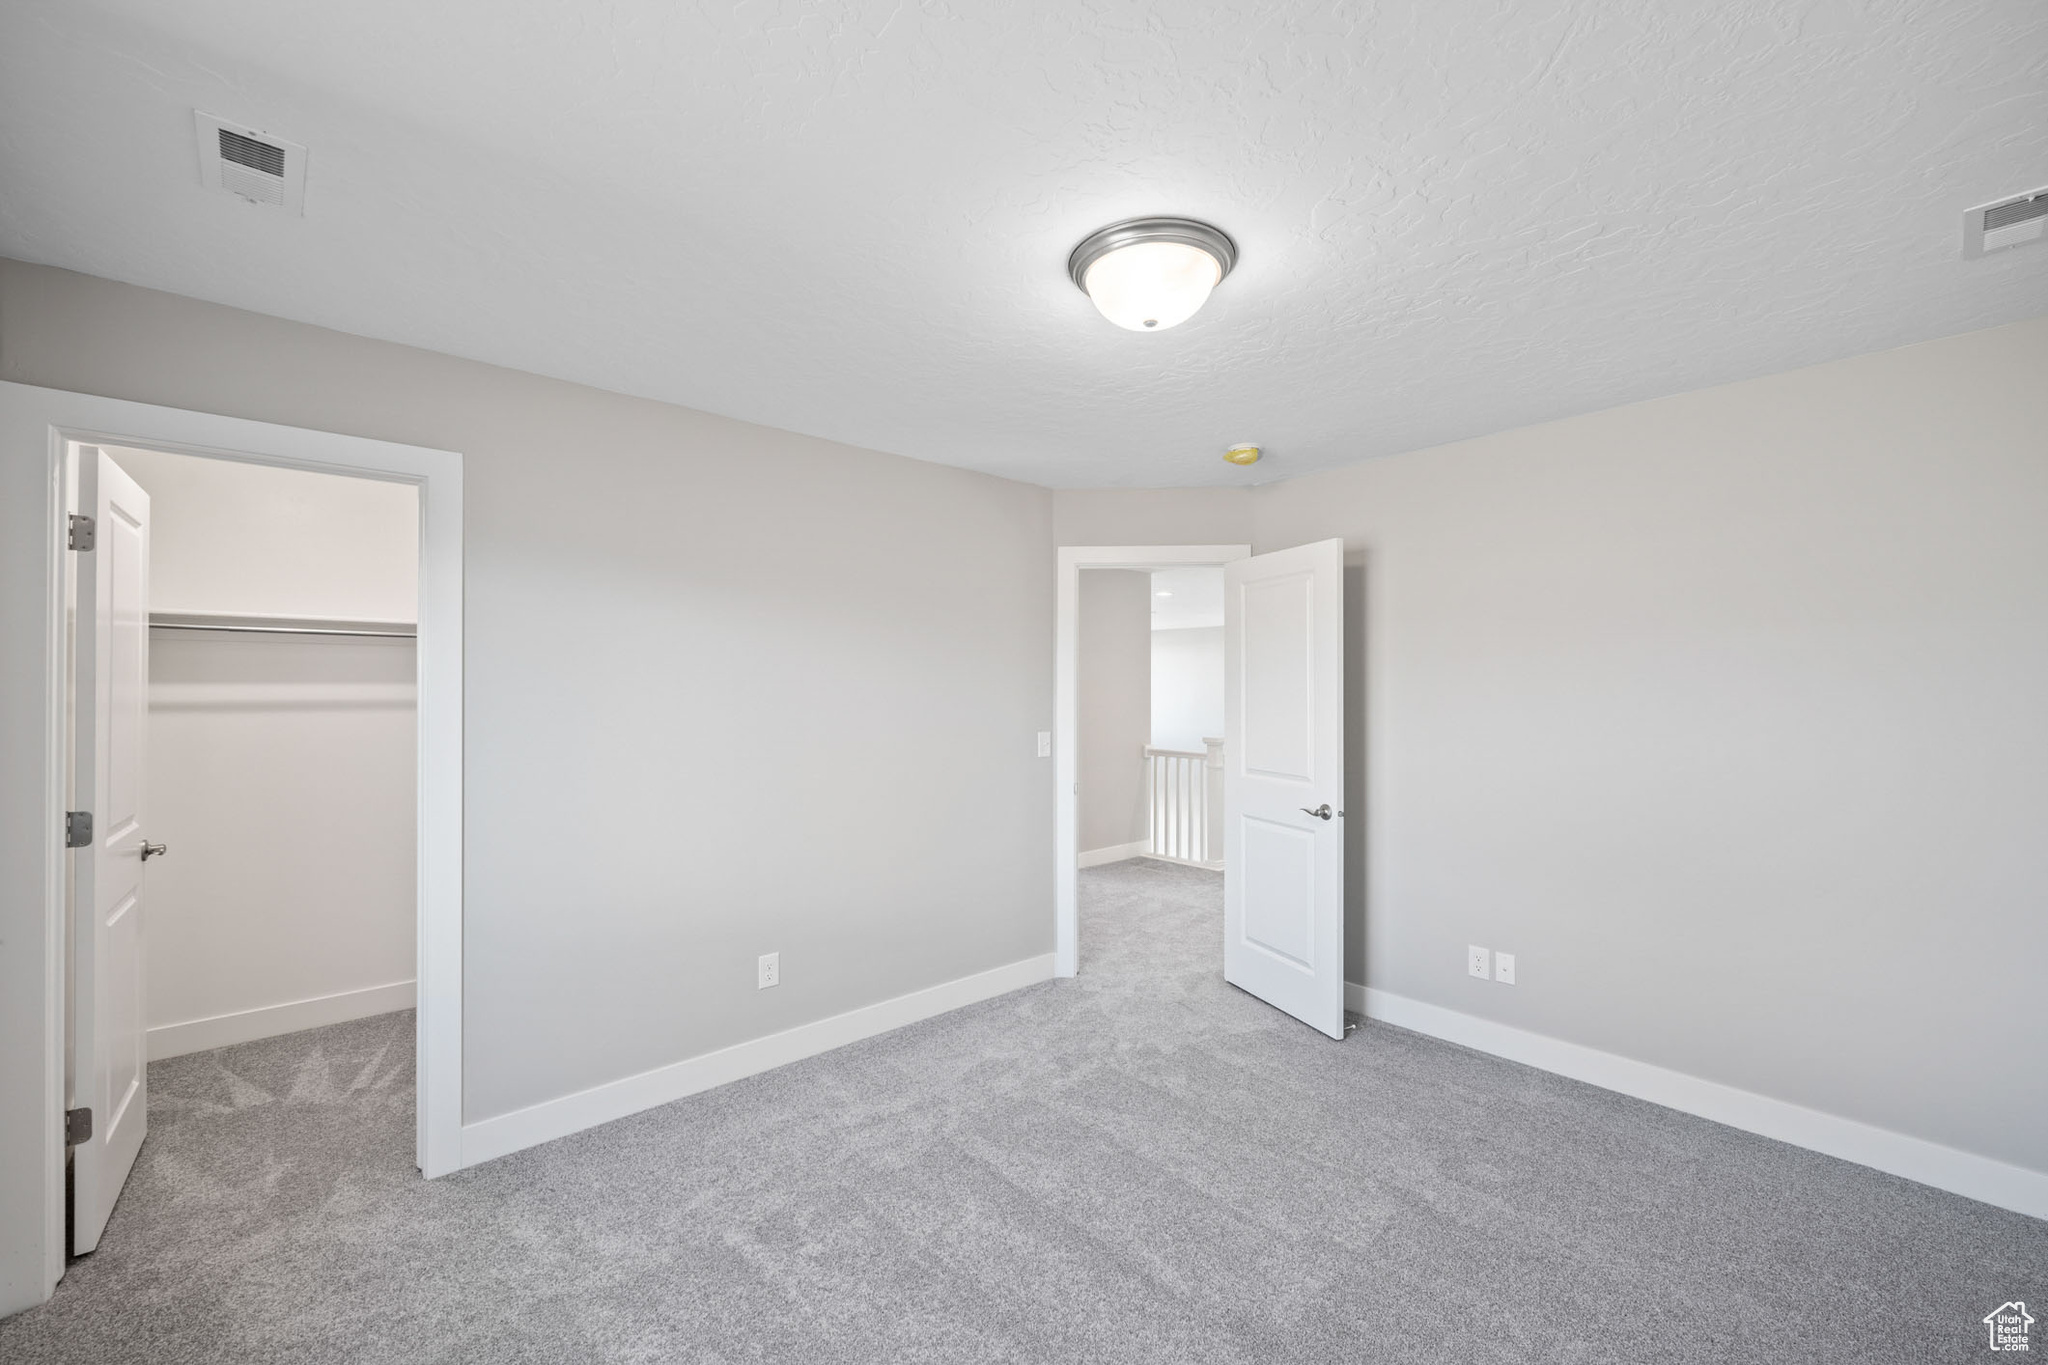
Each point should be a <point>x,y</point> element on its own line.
<point>1150,716</point>
<point>243,735</point>
<point>1119,793</point>
<point>43,432</point>
<point>1282,784</point>
<point>1184,749</point>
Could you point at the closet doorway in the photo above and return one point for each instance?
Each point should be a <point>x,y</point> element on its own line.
<point>45,843</point>
<point>245,735</point>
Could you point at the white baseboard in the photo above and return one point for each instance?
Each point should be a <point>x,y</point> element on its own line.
<point>1929,1163</point>
<point>245,1026</point>
<point>550,1119</point>
<point>1114,853</point>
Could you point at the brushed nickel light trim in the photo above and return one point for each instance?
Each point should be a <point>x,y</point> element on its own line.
<point>1132,231</point>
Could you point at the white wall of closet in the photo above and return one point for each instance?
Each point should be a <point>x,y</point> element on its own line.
<point>281,761</point>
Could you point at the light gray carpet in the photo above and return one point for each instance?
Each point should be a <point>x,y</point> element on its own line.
<point>1139,1165</point>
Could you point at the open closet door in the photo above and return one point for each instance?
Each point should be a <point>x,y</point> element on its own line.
<point>1283,780</point>
<point>108,1043</point>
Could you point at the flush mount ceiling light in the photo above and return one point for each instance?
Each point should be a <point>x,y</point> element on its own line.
<point>1146,274</point>
<point>1245,454</point>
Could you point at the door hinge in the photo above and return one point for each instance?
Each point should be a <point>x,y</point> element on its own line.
<point>77,829</point>
<point>77,1126</point>
<point>84,531</point>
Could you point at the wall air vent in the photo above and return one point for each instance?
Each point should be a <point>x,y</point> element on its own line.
<point>251,164</point>
<point>2006,223</point>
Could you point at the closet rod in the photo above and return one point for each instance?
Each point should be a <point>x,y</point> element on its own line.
<point>282,625</point>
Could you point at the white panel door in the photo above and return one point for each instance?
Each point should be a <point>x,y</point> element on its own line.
<point>1283,780</point>
<point>109,1052</point>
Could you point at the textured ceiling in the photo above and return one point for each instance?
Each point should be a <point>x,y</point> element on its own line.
<point>851,219</point>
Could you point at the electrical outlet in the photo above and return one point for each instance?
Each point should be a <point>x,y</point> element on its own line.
<point>1504,968</point>
<point>1045,744</point>
<point>769,971</point>
<point>1478,961</point>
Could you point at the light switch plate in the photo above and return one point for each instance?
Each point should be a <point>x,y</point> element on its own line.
<point>1504,968</point>
<point>1045,744</point>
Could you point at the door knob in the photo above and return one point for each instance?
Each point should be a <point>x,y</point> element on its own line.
<point>1321,812</point>
<point>154,851</point>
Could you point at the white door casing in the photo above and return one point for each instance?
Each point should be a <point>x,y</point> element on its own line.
<point>40,429</point>
<point>110,1061</point>
<point>1283,865</point>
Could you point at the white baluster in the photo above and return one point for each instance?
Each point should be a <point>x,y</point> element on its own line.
<point>1172,786</point>
<point>1213,799</point>
<point>1158,804</point>
<point>1151,803</point>
<point>1187,849</point>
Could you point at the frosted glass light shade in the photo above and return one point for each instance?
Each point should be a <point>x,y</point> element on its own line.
<point>1150,286</point>
<point>1146,274</point>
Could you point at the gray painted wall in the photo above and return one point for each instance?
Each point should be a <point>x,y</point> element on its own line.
<point>1152,516</point>
<point>1727,714</point>
<point>730,690</point>
<point>1114,688</point>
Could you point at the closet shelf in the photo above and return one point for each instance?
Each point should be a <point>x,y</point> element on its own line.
<point>279,625</point>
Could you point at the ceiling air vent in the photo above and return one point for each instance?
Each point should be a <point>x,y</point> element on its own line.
<point>251,164</point>
<point>2009,222</point>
